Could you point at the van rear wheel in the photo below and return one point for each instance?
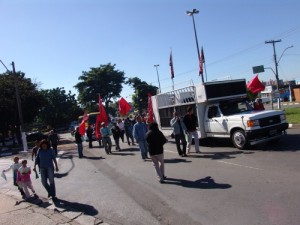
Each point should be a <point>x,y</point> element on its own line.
<point>239,139</point>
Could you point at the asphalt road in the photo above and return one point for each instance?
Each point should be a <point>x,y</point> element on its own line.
<point>220,186</point>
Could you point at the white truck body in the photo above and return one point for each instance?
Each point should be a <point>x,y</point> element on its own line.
<point>223,111</point>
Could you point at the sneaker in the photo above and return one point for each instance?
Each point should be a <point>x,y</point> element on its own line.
<point>198,152</point>
<point>161,181</point>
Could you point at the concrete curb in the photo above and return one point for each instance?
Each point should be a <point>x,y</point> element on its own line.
<point>294,125</point>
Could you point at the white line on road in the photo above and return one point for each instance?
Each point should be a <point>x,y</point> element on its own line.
<point>234,164</point>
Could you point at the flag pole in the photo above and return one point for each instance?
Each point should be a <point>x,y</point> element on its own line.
<point>205,71</point>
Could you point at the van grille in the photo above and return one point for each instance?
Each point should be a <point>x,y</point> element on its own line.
<point>269,121</point>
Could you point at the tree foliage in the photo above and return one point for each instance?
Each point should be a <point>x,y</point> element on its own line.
<point>105,80</point>
<point>31,99</point>
<point>141,91</point>
<point>60,108</point>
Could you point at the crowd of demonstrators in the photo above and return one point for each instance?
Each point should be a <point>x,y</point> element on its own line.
<point>179,131</point>
<point>53,140</point>
<point>190,121</point>
<point>44,156</point>
<point>139,133</point>
<point>128,126</point>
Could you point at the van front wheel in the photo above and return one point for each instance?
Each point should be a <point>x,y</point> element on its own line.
<point>239,139</point>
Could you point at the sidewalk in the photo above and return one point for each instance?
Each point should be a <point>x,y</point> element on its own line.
<point>15,211</point>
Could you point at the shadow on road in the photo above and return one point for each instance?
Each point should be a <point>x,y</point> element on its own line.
<point>180,160</point>
<point>76,207</point>
<point>217,155</point>
<point>204,183</point>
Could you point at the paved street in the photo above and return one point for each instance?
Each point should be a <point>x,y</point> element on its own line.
<point>220,186</point>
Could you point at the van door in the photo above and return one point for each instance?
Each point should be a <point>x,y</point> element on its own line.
<point>215,123</point>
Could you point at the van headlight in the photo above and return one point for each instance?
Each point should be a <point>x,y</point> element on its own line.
<point>252,123</point>
<point>282,117</point>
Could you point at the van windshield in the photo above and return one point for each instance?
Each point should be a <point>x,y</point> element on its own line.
<point>235,106</point>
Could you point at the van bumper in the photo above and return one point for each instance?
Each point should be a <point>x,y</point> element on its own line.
<point>266,134</point>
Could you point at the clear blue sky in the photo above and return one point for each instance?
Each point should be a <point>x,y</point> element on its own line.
<point>53,41</point>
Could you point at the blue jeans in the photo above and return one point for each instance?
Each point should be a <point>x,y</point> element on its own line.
<point>48,174</point>
<point>144,149</point>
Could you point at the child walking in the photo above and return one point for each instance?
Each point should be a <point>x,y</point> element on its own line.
<point>23,179</point>
<point>14,167</point>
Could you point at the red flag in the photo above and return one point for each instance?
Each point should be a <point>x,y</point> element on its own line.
<point>150,110</point>
<point>82,124</point>
<point>255,85</point>
<point>124,106</point>
<point>101,117</point>
<point>171,65</point>
<point>202,60</point>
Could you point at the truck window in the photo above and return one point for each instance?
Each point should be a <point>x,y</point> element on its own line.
<point>213,112</point>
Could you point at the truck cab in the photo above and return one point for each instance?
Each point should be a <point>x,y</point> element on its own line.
<point>223,111</point>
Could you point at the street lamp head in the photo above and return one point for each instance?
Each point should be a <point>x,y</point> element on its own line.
<point>190,13</point>
<point>156,65</point>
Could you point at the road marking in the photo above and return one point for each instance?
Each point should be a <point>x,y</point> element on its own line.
<point>169,151</point>
<point>234,164</point>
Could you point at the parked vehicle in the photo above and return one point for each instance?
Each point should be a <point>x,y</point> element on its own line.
<point>36,135</point>
<point>223,111</point>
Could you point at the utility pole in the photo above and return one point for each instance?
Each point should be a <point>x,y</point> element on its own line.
<point>24,142</point>
<point>158,77</point>
<point>276,67</point>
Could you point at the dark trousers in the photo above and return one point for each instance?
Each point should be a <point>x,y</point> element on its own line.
<point>178,138</point>
<point>129,136</point>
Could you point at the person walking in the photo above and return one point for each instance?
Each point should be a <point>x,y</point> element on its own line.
<point>190,121</point>
<point>53,140</point>
<point>128,126</point>
<point>179,131</point>
<point>78,140</point>
<point>89,133</point>
<point>45,159</point>
<point>156,141</point>
<point>23,179</point>
<point>117,133</point>
<point>122,129</point>
<point>105,133</point>
<point>14,167</point>
<point>139,133</point>
<point>35,149</point>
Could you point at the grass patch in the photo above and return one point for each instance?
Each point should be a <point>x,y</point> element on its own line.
<point>293,115</point>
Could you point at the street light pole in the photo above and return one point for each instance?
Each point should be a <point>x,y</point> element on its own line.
<point>276,67</point>
<point>191,13</point>
<point>157,65</point>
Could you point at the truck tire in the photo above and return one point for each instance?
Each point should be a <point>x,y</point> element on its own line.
<point>239,139</point>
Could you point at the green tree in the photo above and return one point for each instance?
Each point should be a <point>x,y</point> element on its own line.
<point>105,80</point>
<point>60,108</point>
<point>141,91</point>
<point>251,96</point>
<point>30,96</point>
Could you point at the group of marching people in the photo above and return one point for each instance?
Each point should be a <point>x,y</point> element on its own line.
<point>148,137</point>
<point>44,157</point>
